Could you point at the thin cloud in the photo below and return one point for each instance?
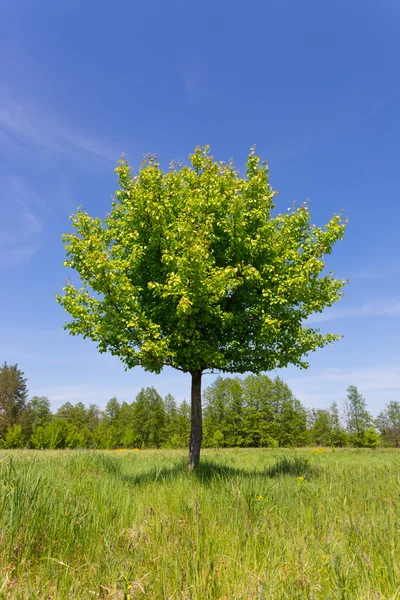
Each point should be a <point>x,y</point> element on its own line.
<point>28,126</point>
<point>389,309</point>
<point>93,394</point>
<point>21,228</point>
<point>378,384</point>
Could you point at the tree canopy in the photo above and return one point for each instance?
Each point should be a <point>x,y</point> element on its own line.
<point>194,270</point>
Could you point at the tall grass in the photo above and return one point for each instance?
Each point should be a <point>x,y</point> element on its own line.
<point>251,524</point>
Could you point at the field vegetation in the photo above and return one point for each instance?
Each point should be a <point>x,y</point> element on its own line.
<point>248,523</point>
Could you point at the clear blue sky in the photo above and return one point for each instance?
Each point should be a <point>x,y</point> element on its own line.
<point>316,85</point>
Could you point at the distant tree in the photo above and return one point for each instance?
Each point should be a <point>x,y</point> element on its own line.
<point>338,433</point>
<point>149,418</point>
<point>36,414</point>
<point>92,416</point>
<point>218,439</point>
<point>371,437</point>
<point>79,437</point>
<point>14,437</point>
<point>112,410</point>
<point>183,426</point>
<point>171,416</point>
<point>321,431</point>
<point>13,395</point>
<point>65,412</point>
<point>192,269</point>
<point>388,423</point>
<point>290,418</point>
<point>224,411</point>
<point>124,425</point>
<point>358,419</point>
<point>259,418</point>
<point>157,418</point>
<point>56,434</point>
<point>40,437</point>
<point>73,414</point>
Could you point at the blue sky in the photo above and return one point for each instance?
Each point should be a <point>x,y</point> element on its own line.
<point>316,85</point>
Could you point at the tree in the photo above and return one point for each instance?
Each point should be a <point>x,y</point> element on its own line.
<point>171,416</point>
<point>388,423</point>
<point>338,434</point>
<point>14,437</point>
<point>92,416</point>
<point>112,410</point>
<point>13,395</point>
<point>224,411</point>
<point>193,270</point>
<point>321,432</point>
<point>181,439</point>
<point>290,417</point>
<point>371,437</point>
<point>75,415</point>
<point>36,414</point>
<point>259,425</point>
<point>358,419</point>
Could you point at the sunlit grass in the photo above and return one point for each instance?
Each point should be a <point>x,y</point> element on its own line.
<point>251,524</point>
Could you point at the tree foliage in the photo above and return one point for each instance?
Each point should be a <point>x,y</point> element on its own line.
<point>191,269</point>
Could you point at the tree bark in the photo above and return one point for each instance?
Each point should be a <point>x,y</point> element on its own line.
<point>196,429</point>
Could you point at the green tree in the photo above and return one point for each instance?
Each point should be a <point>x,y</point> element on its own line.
<point>149,419</point>
<point>224,411</point>
<point>14,437</point>
<point>92,416</point>
<point>338,433</point>
<point>36,414</point>
<point>290,417</point>
<point>66,412</point>
<point>40,437</point>
<point>321,432</point>
<point>388,423</point>
<point>124,425</point>
<point>181,440</point>
<point>259,426</point>
<point>156,418</point>
<point>192,269</point>
<point>371,437</point>
<point>13,395</point>
<point>56,434</point>
<point>112,410</point>
<point>358,419</point>
<point>171,416</point>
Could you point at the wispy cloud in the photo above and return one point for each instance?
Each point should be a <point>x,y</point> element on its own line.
<point>93,394</point>
<point>21,228</point>
<point>378,384</point>
<point>369,309</point>
<point>27,125</point>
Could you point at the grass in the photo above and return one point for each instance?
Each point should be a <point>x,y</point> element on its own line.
<point>251,524</point>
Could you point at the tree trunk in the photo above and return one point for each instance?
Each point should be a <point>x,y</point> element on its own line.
<point>196,429</point>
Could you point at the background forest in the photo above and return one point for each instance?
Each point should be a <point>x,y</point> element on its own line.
<point>255,411</point>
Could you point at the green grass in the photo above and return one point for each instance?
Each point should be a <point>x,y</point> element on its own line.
<point>251,524</point>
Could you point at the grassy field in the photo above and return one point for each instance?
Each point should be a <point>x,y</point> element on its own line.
<point>251,524</point>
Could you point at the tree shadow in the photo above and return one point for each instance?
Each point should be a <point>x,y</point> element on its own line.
<point>295,466</point>
<point>113,467</point>
<point>208,471</point>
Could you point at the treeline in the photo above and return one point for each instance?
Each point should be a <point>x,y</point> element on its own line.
<point>256,411</point>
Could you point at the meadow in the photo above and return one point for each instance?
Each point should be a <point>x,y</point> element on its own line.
<point>250,523</point>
